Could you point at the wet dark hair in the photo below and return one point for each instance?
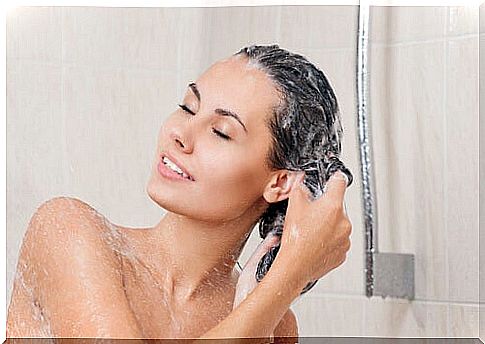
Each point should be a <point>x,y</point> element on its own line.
<point>305,127</point>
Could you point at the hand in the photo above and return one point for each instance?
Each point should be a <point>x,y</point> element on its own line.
<point>315,237</point>
<point>247,279</point>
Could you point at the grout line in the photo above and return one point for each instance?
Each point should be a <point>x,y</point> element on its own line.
<point>329,50</point>
<point>424,41</point>
<point>462,37</point>
<point>445,164</point>
<point>63,114</point>
<point>278,23</point>
<point>407,43</point>
<point>378,298</point>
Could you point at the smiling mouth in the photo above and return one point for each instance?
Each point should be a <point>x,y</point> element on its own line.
<point>174,168</point>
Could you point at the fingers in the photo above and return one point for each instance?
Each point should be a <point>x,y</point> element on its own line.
<point>298,189</point>
<point>336,186</point>
<point>270,241</point>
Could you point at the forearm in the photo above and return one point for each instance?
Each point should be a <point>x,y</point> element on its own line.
<point>261,311</point>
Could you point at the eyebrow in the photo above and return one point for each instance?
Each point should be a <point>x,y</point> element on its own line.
<point>222,112</point>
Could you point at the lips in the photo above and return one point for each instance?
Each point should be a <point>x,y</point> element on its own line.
<point>176,162</point>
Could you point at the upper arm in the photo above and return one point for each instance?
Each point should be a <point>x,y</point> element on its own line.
<point>288,326</point>
<point>74,275</point>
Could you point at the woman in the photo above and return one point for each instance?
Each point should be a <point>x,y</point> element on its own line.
<point>227,158</point>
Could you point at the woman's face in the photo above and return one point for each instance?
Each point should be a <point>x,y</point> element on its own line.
<point>224,154</point>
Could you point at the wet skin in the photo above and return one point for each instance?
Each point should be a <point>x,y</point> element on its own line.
<point>179,276</point>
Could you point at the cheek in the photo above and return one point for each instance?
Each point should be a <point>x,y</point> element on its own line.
<point>238,181</point>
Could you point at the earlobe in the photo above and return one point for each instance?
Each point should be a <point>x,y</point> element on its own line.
<point>270,195</point>
<point>279,187</point>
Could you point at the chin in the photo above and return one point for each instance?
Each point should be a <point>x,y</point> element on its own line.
<point>178,204</point>
<point>160,195</point>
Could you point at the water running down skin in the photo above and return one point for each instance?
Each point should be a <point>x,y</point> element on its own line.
<point>69,260</point>
<point>259,313</point>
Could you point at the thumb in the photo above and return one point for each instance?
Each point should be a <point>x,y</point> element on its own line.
<point>336,186</point>
<point>270,241</point>
<point>247,280</point>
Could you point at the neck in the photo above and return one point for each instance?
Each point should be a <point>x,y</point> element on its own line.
<point>198,256</point>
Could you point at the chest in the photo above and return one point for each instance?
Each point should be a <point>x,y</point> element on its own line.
<point>161,317</point>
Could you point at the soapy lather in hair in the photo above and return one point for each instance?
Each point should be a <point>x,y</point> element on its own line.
<point>306,131</point>
<point>317,174</point>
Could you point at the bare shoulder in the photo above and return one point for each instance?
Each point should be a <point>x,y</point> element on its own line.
<point>66,230</point>
<point>74,275</point>
<point>69,209</point>
<point>66,218</point>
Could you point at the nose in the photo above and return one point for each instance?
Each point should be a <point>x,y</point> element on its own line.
<point>181,141</point>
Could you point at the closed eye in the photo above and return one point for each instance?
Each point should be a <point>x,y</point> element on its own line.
<point>186,109</point>
<point>217,132</point>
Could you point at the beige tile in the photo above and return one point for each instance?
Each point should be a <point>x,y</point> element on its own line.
<point>462,169</point>
<point>329,316</point>
<point>393,24</point>
<point>401,318</point>
<point>482,177</point>
<point>482,18</point>
<point>34,34</point>
<point>192,26</point>
<point>319,27</point>
<point>481,319</point>
<point>231,28</point>
<point>117,112</point>
<point>33,109</point>
<point>463,20</point>
<point>34,140</point>
<point>463,320</point>
<point>406,112</point>
<point>121,37</point>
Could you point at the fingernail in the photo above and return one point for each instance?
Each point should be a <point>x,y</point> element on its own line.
<point>340,175</point>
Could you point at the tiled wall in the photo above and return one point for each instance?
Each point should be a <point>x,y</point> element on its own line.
<point>424,105</point>
<point>87,89</point>
<point>482,171</point>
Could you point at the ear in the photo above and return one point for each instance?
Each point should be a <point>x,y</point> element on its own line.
<point>279,186</point>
